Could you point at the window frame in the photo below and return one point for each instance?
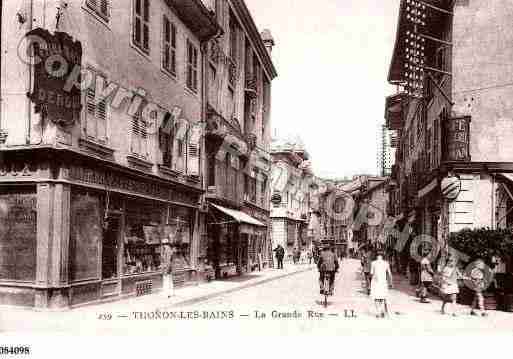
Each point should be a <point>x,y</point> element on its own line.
<point>144,18</point>
<point>137,116</point>
<point>94,114</point>
<point>169,47</point>
<point>192,66</point>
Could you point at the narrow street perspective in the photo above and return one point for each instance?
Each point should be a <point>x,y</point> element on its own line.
<point>261,166</point>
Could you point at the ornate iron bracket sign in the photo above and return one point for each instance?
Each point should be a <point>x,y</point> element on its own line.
<point>57,58</point>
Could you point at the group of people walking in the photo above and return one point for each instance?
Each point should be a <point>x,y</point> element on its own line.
<point>378,279</point>
<point>298,256</point>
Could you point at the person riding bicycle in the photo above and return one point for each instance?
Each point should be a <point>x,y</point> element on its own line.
<point>328,266</point>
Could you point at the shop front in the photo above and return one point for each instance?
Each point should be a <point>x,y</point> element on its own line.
<point>81,232</point>
<point>260,248</point>
<point>235,242</point>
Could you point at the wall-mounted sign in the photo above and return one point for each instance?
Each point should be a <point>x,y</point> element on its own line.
<point>57,59</point>
<point>456,139</point>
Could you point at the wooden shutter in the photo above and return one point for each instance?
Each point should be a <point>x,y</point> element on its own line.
<point>193,151</point>
<point>91,111</point>
<point>101,120</point>
<point>139,136</point>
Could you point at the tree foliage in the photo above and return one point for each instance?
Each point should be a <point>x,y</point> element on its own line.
<point>483,243</point>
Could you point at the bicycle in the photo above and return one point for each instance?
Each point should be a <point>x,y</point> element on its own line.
<point>326,291</point>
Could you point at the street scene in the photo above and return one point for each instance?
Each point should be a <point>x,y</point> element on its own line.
<point>191,166</point>
<point>275,305</point>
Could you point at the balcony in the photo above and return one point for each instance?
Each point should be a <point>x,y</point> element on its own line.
<point>198,18</point>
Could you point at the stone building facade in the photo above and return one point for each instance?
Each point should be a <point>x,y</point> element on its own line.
<point>291,181</point>
<point>101,163</point>
<point>238,76</point>
<point>452,114</point>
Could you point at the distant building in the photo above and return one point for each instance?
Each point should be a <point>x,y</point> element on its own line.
<point>387,140</point>
<point>291,181</point>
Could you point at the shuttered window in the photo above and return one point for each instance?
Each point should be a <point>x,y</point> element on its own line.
<point>96,116</point>
<point>141,24</point>
<point>180,140</point>
<point>193,151</point>
<point>139,136</point>
<point>169,46</point>
<point>100,7</point>
<point>192,66</point>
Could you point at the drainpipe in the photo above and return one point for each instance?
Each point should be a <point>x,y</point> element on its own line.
<point>30,68</point>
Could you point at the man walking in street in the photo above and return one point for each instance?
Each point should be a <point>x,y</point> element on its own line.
<point>296,255</point>
<point>328,265</point>
<point>279,253</point>
<point>366,268</point>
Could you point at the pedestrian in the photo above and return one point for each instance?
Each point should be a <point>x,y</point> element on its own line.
<point>449,284</point>
<point>279,253</point>
<point>296,254</point>
<point>309,256</point>
<point>381,280</point>
<point>327,265</point>
<point>366,268</point>
<point>426,277</point>
<point>166,263</point>
<point>478,283</point>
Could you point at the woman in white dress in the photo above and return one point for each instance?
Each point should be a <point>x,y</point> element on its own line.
<point>449,284</point>
<point>381,280</point>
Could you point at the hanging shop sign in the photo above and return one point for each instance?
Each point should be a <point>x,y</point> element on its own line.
<point>456,139</point>
<point>57,58</point>
<point>451,187</point>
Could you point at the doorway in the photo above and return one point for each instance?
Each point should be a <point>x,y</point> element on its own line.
<point>110,251</point>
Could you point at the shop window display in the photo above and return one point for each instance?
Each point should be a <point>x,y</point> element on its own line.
<point>179,232</point>
<point>18,220</point>
<point>142,241</point>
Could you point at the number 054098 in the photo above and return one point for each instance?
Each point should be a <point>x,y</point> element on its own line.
<point>14,350</point>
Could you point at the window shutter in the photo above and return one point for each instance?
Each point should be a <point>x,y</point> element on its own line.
<point>135,141</point>
<point>193,160</point>
<point>102,120</point>
<point>91,111</point>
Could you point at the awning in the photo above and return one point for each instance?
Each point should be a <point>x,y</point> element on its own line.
<point>239,216</point>
<point>508,176</point>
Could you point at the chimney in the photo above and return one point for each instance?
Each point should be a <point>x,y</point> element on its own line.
<point>268,40</point>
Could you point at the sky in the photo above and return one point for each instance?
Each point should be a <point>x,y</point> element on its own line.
<point>332,58</point>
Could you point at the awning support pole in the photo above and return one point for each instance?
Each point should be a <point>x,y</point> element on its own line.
<point>427,37</point>
<point>443,11</point>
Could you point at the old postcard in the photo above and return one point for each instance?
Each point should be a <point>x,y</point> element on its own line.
<point>279,167</point>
